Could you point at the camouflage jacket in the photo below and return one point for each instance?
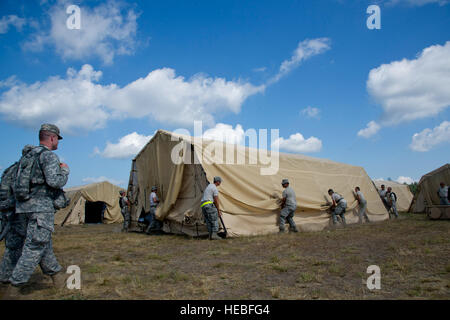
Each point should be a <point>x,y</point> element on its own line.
<point>43,183</point>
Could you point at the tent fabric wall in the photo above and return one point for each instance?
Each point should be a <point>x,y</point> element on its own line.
<point>249,200</point>
<point>101,191</point>
<point>428,187</point>
<point>404,194</point>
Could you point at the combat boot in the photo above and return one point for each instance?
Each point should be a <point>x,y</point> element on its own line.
<point>293,229</point>
<point>59,280</point>
<point>214,236</point>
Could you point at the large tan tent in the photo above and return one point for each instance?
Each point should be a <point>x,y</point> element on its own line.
<point>428,187</point>
<point>88,201</point>
<point>402,191</point>
<point>181,167</point>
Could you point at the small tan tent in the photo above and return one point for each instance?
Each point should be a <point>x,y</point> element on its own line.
<point>402,191</point>
<point>181,167</point>
<point>428,187</point>
<point>88,201</point>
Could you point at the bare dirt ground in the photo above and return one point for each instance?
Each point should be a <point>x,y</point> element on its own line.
<point>412,252</point>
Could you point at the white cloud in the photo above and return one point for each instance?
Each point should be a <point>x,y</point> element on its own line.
<point>75,102</point>
<point>226,133</point>
<point>127,146</point>
<point>173,99</point>
<point>297,143</point>
<point>106,31</point>
<point>371,129</point>
<point>79,102</point>
<point>11,20</point>
<point>305,50</point>
<point>311,112</point>
<point>412,89</point>
<point>103,178</point>
<point>428,139</point>
<point>407,180</point>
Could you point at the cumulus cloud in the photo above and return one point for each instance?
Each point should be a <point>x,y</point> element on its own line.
<point>430,138</point>
<point>226,133</point>
<point>311,112</point>
<point>407,180</point>
<point>106,31</point>
<point>305,50</point>
<point>127,146</point>
<point>371,129</point>
<point>297,143</point>
<point>413,89</point>
<point>11,21</point>
<point>79,102</point>
<point>75,102</point>
<point>103,178</point>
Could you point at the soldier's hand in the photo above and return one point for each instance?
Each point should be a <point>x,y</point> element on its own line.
<point>220,213</point>
<point>63,165</point>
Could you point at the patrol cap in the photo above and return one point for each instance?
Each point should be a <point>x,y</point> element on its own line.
<point>51,128</point>
<point>284,181</point>
<point>154,188</point>
<point>217,179</point>
<point>121,192</point>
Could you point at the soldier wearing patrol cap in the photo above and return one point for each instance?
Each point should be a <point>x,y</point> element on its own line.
<point>210,208</point>
<point>288,207</point>
<point>37,214</point>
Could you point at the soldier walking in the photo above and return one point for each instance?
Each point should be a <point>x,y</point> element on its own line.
<point>35,213</point>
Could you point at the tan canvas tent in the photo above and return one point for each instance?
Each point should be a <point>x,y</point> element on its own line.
<point>249,199</point>
<point>402,191</point>
<point>428,187</point>
<point>86,204</point>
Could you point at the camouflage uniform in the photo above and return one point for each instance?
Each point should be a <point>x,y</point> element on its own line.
<point>125,213</point>
<point>211,217</point>
<point>14,226</point>
<point>36,215</point>
<point>14,241</point>
<point>288,211</point>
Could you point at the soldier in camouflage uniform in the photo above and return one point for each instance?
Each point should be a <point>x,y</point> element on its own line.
<point>36,215</point>
<point>124,203</point>
<point>15,225</point>
<point>210,208</point>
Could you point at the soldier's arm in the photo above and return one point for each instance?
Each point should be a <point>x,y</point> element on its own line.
<point>55,176</point>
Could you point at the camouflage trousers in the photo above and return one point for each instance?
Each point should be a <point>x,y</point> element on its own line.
<point>31,245</point>
<point>14,240</point>
<point>155,224</point>
<point>339,211</point>
<point>211,218</point>
<point>393,209</point>
<point>287,214</point>
<point>126,218</point>
<point>362,212</point>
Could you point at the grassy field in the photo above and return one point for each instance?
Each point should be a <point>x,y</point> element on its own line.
<point>412,252</point>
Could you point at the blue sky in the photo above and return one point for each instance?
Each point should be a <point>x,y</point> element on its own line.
<point>335,89</point>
